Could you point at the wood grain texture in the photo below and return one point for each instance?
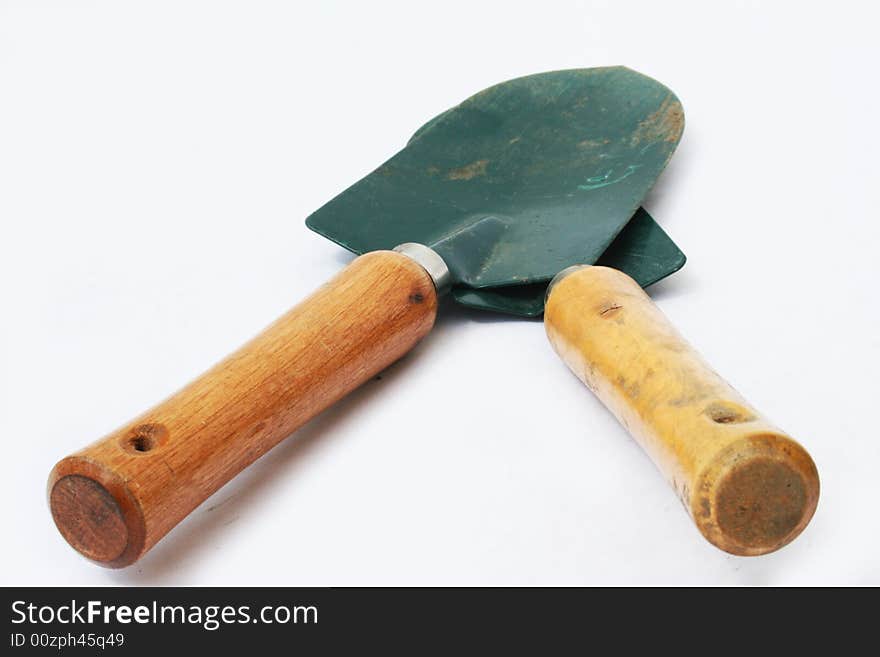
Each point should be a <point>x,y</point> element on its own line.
<point>115,499</point>
<point>748,486</point>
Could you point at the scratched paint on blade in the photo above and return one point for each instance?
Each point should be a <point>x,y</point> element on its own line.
<point>608,178</point>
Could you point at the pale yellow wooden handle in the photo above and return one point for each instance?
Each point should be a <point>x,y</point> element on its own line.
<point>114,499</point>
<point>749,487</point>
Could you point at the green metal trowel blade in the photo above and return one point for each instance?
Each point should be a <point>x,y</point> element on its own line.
<point>642,249</point>
<point>520,180</point>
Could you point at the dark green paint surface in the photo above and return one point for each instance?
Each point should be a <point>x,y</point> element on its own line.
<point>521,181</point>
<point>642,249</point>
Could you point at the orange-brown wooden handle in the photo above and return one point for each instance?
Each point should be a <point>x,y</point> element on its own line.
<point>749,487</point>
<point>116,498</point>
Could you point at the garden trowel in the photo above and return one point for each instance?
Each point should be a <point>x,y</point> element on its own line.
<point>528,182</point>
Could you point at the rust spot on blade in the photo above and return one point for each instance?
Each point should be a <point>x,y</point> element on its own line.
<point>666,124</point>
<point>469,171</point>
<point>593,143</point>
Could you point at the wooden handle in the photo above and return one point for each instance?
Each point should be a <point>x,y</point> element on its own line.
<point>749,487</point>
<point>115,499</point>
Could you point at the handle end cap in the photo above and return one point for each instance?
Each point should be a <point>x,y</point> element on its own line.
<point>88,517</point>
<point>95,513</point>
<point>759,497</point>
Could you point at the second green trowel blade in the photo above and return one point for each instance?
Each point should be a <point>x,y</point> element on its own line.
<point>519,181</point>
<point>642,250</point>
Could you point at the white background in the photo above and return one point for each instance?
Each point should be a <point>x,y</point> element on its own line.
<point>157,160</point>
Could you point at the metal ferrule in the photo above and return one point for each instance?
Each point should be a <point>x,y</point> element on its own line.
<point>565,272</point>
<point>431,262</point>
